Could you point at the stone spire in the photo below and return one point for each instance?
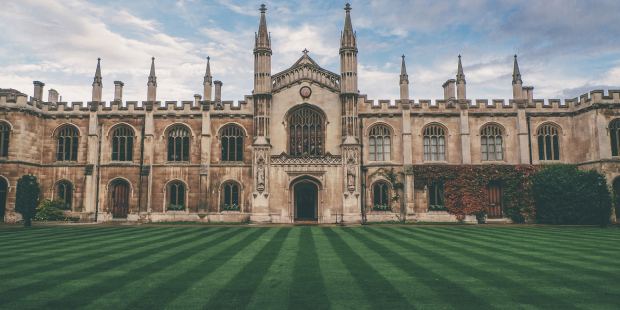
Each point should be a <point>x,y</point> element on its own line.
<point>460,82</point>
<point>208,81</point>
<point>404,82</point>
<point>262,39</point>
<point>348,36</point>
<point>97,86</point>
<point>348,56</point>
<point>517,83</point>
<point>152,84</point>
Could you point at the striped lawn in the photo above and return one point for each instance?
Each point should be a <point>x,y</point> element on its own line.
<point>309,268</point>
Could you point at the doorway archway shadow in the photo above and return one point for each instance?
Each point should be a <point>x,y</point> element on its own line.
<point>306,195</point>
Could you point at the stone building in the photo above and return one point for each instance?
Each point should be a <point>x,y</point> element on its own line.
<point>302,146</point>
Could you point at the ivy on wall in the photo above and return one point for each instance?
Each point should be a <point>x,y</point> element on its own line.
<point>465,187</point>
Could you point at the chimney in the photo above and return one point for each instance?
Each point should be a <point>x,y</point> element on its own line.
<point>52,96</point>
<point>118,90</point>
<point>448,89</point>
<point>197,98</point>
<point>218,91</point>
<point>38,90</point>
<point>528,94</point>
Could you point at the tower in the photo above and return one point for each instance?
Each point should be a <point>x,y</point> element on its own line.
<point>517,83</point>
<point>261,146</point>
<point>460,83</point>
<point>97,86</point>
<point>404,82</point>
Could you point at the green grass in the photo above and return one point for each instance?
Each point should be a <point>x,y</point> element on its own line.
<point>464,267</point>
<point>194,223</point>
<point>418,223</point>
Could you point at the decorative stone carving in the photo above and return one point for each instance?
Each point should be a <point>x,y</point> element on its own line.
<point>284,159</point>
<point>351,171</point>
<point>260,161</point>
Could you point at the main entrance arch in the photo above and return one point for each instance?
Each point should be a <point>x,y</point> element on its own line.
<point>306,195</point>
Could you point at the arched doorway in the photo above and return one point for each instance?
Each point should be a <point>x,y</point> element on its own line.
<point>120,200</point>
<point>306,201</point>
<point>3,193</point>
<point>495,210</point>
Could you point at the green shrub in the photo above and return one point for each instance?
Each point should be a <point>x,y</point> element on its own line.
<point>382,208</point>
<point>57,202</point>
<point>563,194</point>
<point>230,208</point>
<point>176,207</point>
<point>48,212</point>
<point>27,198</point>
<point>437,208</point>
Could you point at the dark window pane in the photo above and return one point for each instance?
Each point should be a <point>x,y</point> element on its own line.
<point>556,148</point>
<point>384,195</point>
<point>548,151</point>
<point>59,154</point>
<point>185,148</point>
<point>239,149</point>
<point>377,192</point>
<point>224,148</point>
<point>173,194</point>
<point>433,195</point>
<point>5,144</point>
<point>613,135</point>
<point>178,147</point>
<point>235,195</point>
<point>227,192</point>
<point>232,154</point>
<point>541,148</point>
<point>68,196</point>
<point>129,149</point>
<point>180,194</point>
<point>122,146</point>
<point>170,149</point>
<point>114,148</point>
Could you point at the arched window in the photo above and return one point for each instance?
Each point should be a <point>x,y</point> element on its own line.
<point>548,143</point>
<point>381,194</point>
<point>232,144</point>
<point>67,144</point>
<point>64,190</point>
<point>177,195</point>
<point>122,144</point>
<point>178,144</point>
<point>5,129</point>
<point>230,195</point>
<point>436,197</point>
<point>379,144</point>
<point>306,133</point>
<point>491,143</point>
<point>614,135</point>
<point>434,143</point>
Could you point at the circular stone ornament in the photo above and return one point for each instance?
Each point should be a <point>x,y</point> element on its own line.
<point>305,91</point>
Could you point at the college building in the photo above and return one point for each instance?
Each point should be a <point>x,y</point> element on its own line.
<point>303,146</point>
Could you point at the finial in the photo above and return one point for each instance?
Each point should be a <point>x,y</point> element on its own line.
<point>153,58</point>
<point>347,8</point>
<point>459,56</point>
<point>262,8</point>
<point>403,56</point>
<point>208,57</point>
<point>515,55</point>
<point>99,59</point>
<point>305,51</point>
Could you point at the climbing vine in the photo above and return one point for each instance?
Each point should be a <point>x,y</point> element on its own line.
<point>465,187</point>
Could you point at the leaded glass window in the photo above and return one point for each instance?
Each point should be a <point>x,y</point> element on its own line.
<point>491,143</point>
<point>67,144</point>
<point>178,144</point>
<point>434,143</point>
<point>232,144</point>
<point>122,144</point>
<point>306,133</point>
<point>548,143</point>
<point>379,144</point>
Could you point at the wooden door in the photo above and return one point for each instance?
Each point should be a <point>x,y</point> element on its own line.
<point>495,201</point>
<point>120,199</point>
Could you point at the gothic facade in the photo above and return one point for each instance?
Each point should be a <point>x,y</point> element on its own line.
<point>302,147</point>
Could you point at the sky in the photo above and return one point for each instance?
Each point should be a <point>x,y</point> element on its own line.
<point>565,47</point>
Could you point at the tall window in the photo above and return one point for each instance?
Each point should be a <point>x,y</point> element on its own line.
<point>434,143</point>
<point>232,144</point>
<point>379,144</point>
<point>64,191</point>
<point>177,194</point>
<point>306,133</point>
<point>548,143</point>
<point>67,144</point>
<point>178,144</point>
<point>614,135</point>
<point>122,144</point>
<point>381,194</point>
<point>491,143</point>
<point>5,129</point>
<point>436,197</point>
<point>231,194</point>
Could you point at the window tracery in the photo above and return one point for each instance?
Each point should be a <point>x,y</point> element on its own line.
<point>379,144</point>
<point>306,133</point>
<point>491,140</point>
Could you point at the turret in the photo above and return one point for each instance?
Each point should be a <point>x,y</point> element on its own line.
<point>152,84</point>
<point>262,57</point>
<point>118,90</point>
<point>97,85</point>
<point>460,82</point>
<point>404,82</point>
<point>348,56</point>
<point>208,81</point>
<point>38,90</point>
<point>517,83</point>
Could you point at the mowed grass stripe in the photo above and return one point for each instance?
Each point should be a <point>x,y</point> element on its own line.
<point>379,292</point>
<point>239,290</point>
<point>116,245</point>
<point>274,290</point>
<point>521,290</point>
<point>567,259</point>
<point>342,289</point>
<point>61,251</point>
<point>92,265</point>
<point>190,280</point>
<point>131,287</point>
<point>552,267</point>
<point>308,288</point>
<point>547,235</point>
<point>27,242</point>
<point>428,281</point>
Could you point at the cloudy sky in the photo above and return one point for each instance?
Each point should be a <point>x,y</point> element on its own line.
<point>565,47</point>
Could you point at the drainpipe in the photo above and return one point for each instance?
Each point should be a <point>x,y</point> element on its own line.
<point>363,171</point>
<point>98,172</point>
<point>141,165</point>
<point>529,138</point>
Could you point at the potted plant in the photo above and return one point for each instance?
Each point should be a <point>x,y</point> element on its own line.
<point>481,217</point>
<point>176,208</point>
<point>381,208</point>
<point>232,207</point>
